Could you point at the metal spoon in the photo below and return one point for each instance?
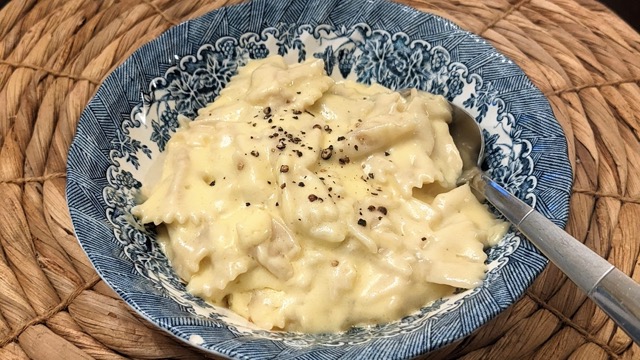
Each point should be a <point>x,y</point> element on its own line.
<point>612,290</point>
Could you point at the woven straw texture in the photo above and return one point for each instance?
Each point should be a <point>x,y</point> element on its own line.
<point>54,53</point>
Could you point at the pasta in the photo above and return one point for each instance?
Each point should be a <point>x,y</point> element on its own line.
<point>305,204</point>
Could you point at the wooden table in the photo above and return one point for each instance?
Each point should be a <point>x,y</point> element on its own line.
<point>54,54</point>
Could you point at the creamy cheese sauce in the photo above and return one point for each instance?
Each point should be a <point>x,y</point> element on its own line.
<point>308,205</point>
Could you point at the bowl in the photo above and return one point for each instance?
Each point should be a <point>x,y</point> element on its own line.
<point>123,131</point>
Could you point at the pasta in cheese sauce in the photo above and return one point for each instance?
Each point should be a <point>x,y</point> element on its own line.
<point>305,204</point>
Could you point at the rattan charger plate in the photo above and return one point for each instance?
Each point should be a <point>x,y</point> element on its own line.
<point>54,54</point>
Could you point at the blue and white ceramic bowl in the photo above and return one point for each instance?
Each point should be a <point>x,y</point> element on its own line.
<point>125,127</point>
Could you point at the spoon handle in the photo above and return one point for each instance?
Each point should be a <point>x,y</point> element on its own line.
<point>616,293</point>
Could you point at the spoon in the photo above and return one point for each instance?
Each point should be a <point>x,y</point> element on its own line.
<point>612,290</point>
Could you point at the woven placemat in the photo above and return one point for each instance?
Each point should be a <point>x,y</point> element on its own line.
<point>54,53</point>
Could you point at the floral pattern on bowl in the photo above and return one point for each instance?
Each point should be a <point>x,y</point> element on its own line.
<point>525,149</point>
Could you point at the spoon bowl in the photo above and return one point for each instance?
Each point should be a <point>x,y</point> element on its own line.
<point>468,138</point>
